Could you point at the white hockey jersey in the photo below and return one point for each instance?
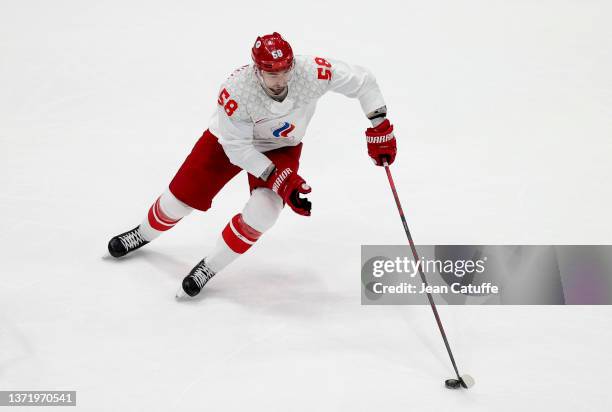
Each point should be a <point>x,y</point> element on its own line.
<point>249,123</point>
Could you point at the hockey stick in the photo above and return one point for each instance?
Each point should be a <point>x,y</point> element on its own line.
<point>465,381</point>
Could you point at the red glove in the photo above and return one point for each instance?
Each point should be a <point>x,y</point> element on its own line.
<point>381,143</point>
<point>289,185</point>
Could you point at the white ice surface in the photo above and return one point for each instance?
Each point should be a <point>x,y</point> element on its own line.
<point>503,115</point>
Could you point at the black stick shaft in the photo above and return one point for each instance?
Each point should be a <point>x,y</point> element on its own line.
<point>423,279</point>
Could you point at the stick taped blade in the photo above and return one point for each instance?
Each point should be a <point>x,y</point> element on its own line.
<point>467,381</point>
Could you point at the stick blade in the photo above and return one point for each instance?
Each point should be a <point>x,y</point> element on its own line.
<point>467,381</point>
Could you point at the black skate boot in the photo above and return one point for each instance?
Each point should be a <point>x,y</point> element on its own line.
<point>195,281</point>
<point>126,242</point>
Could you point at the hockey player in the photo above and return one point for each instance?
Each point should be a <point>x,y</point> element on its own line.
<point>262,114</point>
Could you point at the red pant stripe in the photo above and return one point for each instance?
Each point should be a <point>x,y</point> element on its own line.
<point>238,235</point>
<point>161,216</point>
<point>244,229</point>
<point>158,219</point>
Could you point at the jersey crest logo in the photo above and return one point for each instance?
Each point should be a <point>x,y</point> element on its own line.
<point>283,130</point>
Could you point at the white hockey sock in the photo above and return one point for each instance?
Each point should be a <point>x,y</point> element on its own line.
<point>163,215</point>
<point>259,215</point>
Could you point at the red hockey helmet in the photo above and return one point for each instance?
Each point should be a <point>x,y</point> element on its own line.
<point>271,53</point>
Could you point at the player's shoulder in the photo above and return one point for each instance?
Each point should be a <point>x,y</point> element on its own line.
<point>309,65</point>
<point>313,73</point>
<point>240,80</point>
<point>237,91</point>
<point>303,61</point>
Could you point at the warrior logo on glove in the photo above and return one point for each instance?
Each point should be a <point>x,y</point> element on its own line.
<point>381,143</point>
<point>289,186</point>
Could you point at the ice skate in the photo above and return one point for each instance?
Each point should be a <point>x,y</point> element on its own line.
<point>195,281</point>
<point>126,242</point>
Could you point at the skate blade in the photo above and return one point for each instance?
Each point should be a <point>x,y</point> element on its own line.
<point>180,294</point>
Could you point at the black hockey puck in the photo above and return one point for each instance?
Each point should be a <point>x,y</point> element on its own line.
<point>452,383</point>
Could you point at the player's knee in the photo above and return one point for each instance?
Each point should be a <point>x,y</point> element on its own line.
<point>262,209</point>
<point>172,206</point>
